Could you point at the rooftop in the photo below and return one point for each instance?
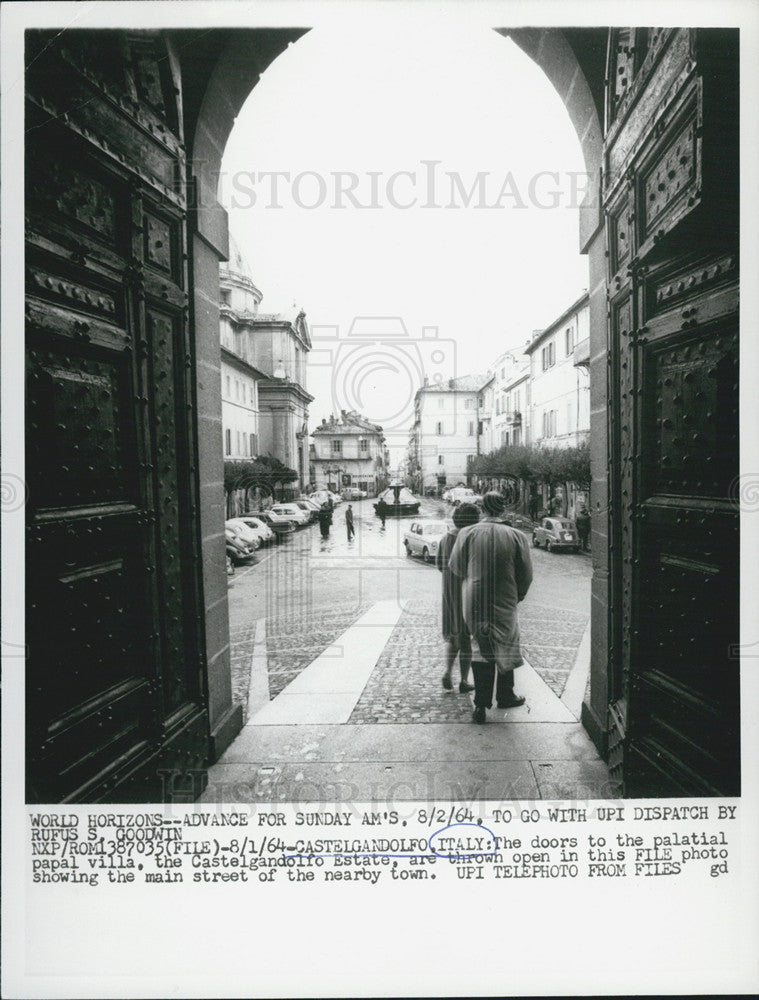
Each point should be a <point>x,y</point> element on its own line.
<point>541,335</point>
<point>349,422</point>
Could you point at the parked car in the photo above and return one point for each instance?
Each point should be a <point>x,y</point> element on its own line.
<point>247,534</point>
<point>556,533</point>
<point>310,509</point>
<point>322,496</point>
<point>262,531</point>
<point>423,537</point>
<point>461,494</point>
<point>237,549</point>
<point>353,493</point>
<point>292,512</point>
<point>281,526</point>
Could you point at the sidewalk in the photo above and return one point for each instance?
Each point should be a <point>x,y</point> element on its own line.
<point>364,717</point>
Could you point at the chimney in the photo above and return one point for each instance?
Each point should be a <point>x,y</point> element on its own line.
<point>426,380</point>
<point>342,414</point>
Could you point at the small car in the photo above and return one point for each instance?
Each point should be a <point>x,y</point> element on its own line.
<point>353,493</point>
<point>309,508</point>
<point>423,538</point>
<point>292,512</point>
<point>263,531</point>
<point>237,549</point>
<point>244,532</point>
<point>461,494</point>
<point>556,533</point>
<point>281,526</point>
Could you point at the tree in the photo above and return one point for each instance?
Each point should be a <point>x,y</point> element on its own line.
<point>264,474</point>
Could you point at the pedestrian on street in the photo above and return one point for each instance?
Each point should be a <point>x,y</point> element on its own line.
<point>582,522</point>
<point>349,522</point>
<point>381,509</point>
<point>455,631</point>
<point>493,562</point>
<point>325,521</point>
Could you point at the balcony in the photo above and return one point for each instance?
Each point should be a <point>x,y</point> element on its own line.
<point>581,354</point>
<point>515,418</point>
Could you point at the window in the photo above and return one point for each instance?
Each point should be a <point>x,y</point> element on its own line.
<point>228,436</point>
<point>363,446</point>
<point>225,296</point>
<point>548,355</point>
<point>517,435</point>
<point>503,374</point>
<point>253,446</point>
<point>229,387</point>
<point>517,408</point>
<point>569,336</point>
<point>497,405</point>
<point>440,402</point>
<point>468,403</point>
<point>439,428</point>
<point>549,423</point>
<point>440,459</point>
<point>471,428</point>
<point>239,449</point>
<point>337,447</point>
<point>253,394</point>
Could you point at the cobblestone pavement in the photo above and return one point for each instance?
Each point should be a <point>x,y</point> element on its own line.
<point>405,685</point>
<point>292,645</point>
<point>309,592</point>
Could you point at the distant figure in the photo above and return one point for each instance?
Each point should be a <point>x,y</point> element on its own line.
<point>325,520</point>
<point>494,565</point>
<point>582,521</point>
<point>556,504</point>
<point>349,522</point>
<point>455,631</point>
<point>381,510</point>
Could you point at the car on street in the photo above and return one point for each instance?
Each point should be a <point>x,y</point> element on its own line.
<point>423,538</point>
<point>461,494</point>
<point>262,531</point>
<point>292,512</point>
<point>353,493</point>
<point>244,532</point>
<point>281,526</point>
<point>238,551</point>
<point>309,508</point>
<point>556,533</point>
<point>322,496</point>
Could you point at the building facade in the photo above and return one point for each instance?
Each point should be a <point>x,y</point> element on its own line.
<point>445,435</point>
<point>559,389</point>
<point>263,374</point>
<point>349,450</point>
<point>509,370</point>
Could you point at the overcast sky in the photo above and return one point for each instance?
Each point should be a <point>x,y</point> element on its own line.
<point>432,99</point>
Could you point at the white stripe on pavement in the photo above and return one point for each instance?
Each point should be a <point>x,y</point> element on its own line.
<point>328,689</point>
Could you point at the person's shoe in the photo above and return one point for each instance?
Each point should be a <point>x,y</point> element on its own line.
<point>447,683</point>
<point>465,688</point>
<point>479,715</point>
<point>513,701</point>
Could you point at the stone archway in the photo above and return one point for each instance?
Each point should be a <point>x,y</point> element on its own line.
<point>574,62</point>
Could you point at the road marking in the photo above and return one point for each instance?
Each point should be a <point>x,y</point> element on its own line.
<point>574,690</point>
<point>328,689</point>
<point>258,689</point>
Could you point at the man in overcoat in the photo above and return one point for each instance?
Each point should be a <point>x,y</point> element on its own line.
<point>494,564</point>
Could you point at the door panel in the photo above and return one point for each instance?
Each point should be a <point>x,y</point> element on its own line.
<point>114,688</point>
<point>673,424</point>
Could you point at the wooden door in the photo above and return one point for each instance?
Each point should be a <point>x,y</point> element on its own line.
<point>670,201</point>
<point>115,701</point>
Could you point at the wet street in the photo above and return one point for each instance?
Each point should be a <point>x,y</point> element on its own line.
<point>337,658</point>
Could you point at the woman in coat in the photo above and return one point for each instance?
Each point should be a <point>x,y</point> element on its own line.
<point>455,632</point>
